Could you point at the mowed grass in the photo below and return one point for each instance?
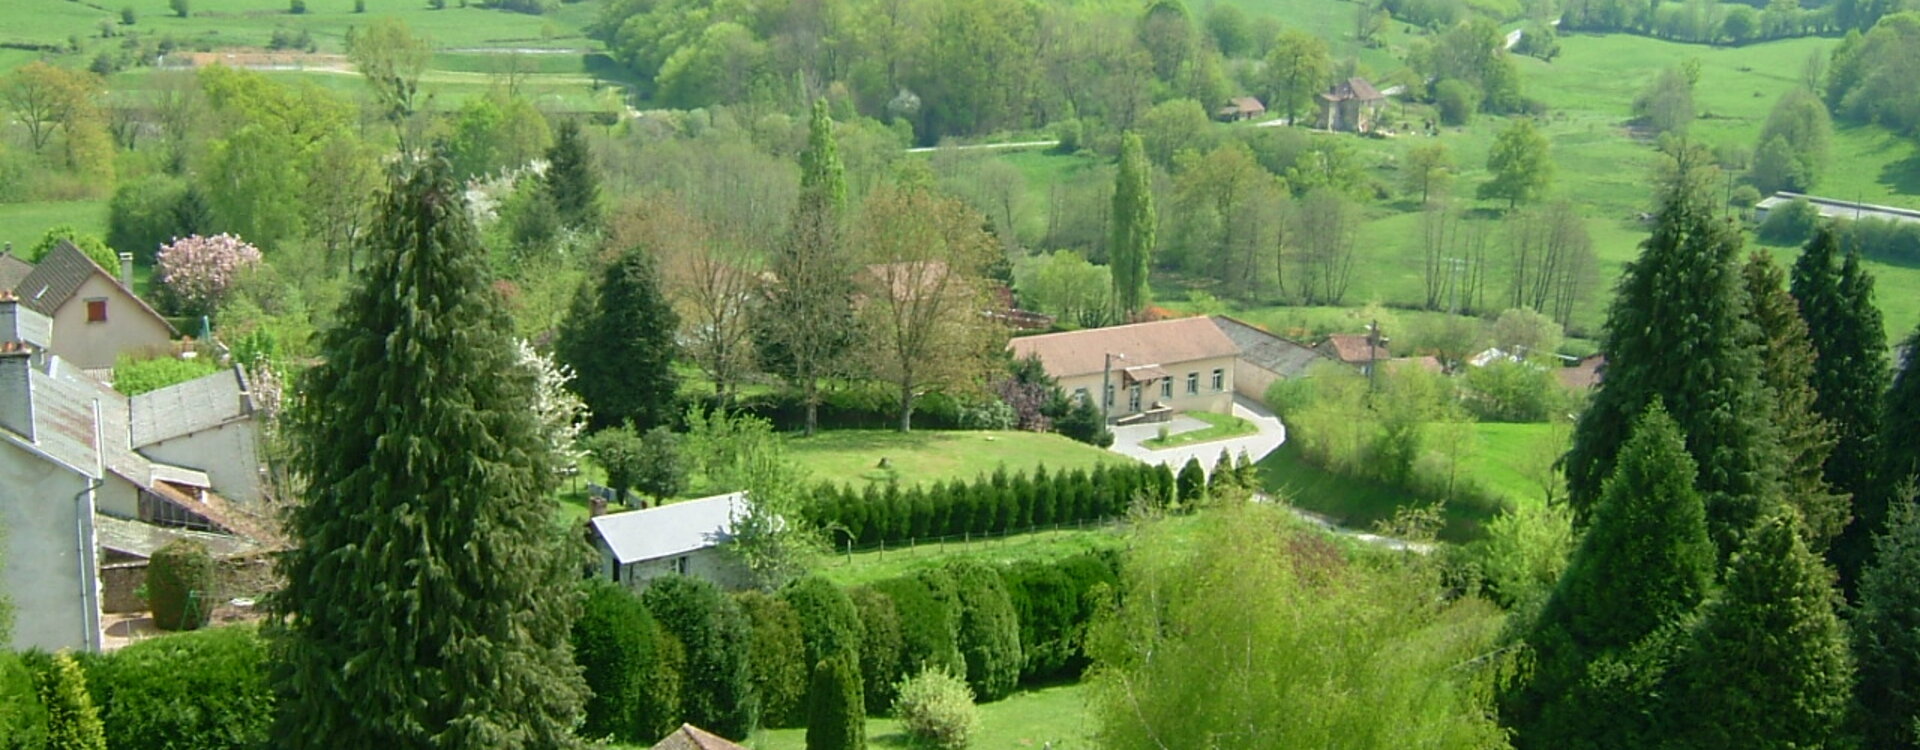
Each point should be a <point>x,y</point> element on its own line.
<point>1511,459</point>
<point>853,456</point>
<point>1351,502</point>
<point>251,23</point>
<point>23,223</point>
<point>1037,546</point>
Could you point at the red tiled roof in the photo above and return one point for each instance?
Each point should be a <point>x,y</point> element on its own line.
<point>690,737</point>
<point>1158,343</point>
<point>1353,349</point>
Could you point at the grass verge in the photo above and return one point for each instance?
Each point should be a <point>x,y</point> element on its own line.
<point>1219,427</point>
<point>855,456</point>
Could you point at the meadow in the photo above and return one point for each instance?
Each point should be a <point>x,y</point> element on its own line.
<point>854,456</point>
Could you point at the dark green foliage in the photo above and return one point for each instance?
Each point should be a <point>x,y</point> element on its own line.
<point>881,647</point>
<point>1886,633</point>
<point>619,339</point>
<point>1768,665</point>
<point>143,215</point>
<point>805,328</point>
<point>836,714</point>
<point>613,642</point>
<point>1645,563</point>
<point>571,182</point>
<point>206,690</point>
<point>1678,330</point>
<point>23,721</point>
<point>957,509</point>
<point>1899,460</point>
<point>1223,475</point>
<point>718,690</point>
<point>829,623</point>
<point>1794,221</point>
<point>989,633</point>
<point>777,656</point>
<point>1787,369</point>
<point>929,621</point>
<point>1053,603</point>
<point>180,579</point>
<point>73,723</point>
<point>427,596</point>
<point>1192,482</point>
<point>1083,422</point>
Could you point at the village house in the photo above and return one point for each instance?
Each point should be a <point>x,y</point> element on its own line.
<point>96,316</point>
<point>1146,371</point>
<point>1359,350</point>
<point>683,538</point>
<point>690,737</point>
<point>1265,358</point>
<point>1240,108</point>
<point>1352,106</point>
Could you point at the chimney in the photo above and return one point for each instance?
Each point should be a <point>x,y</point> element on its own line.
<point>126,269</point>
<point>596,506</point>
<point>16,400</point>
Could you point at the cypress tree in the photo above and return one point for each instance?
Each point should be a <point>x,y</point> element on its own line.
<point>1646,562</point>
<point>571,182</point>
<point>829,623</point>
<point>1134,225</point>
<point>718,692</point>
<point>881,648</point>
<point>777,657</point>
<point>1899,459</point>
<point>836,715</point>
<point>427,598</point>
<point>1787,369</point>
<point>1192,482</point>
<point>1678,330</point>
<point>1886,631</point>
<point>613,641</point>
<point>73,723</point>
<point>805,327</point>
<point>1768,665</point>
<point>619,339</point>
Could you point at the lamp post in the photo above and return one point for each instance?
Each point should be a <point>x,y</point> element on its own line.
<point>1106,388</point>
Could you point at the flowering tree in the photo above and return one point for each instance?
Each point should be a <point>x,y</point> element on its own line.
<point>563,416</point>
<point>197,271</point>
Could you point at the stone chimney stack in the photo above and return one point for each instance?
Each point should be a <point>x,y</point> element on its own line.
<point>126,269</point>
<point>596,506</point>
<point>16,401</point>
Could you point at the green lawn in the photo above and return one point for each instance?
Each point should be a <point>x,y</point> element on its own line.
<point>23,223</point>
<point>1353,503</point>
<point>1510,458</point>
<point>894,562</point>
<point>934,455</point>
<point>1032,718</point>
<point>224,23</point>
<point>1219,427</point>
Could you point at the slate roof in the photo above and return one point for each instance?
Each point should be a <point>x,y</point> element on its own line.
<point>20,323</point>
<point>1164,342</point>
<point>669,530</point>
<point>12,270</point>
<point>1288,359</point>
<point>142,539</point>
<point>56,417</point>
<point>185,408</point>
<point>60,274</point>
<point>690,737</point>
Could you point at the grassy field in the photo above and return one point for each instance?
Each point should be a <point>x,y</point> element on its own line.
<point>1353,503</point>
<point>1054,716</point>
<point>928,455</point>
<point>1219,427</point>
<point>23,223</point>
<point>250,23</point>
<point>1509,458</point>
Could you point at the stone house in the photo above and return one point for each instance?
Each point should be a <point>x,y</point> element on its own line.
<point>1147,371</point>
<point>1352,106</point>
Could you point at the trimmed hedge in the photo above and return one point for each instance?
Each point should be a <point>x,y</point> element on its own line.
<point>614,643</point>
<point>1053,603</point>
<point>717,687</point>
<point>205,690</point>
<point>836,714</point>
<point>989,632</point>
<point>992,504</point>
<point>777,656</point>
<point>881,647</point>
<point>829,624</point>
<point>929,624</point>
<point>174,573</point>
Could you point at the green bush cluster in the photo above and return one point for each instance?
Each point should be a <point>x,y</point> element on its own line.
<point>180,580</point>
<point>992,504</point>
<point>620,648</point>
<point>777,654</point>
<point>206,690</point>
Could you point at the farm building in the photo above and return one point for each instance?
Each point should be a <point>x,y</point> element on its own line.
<point>681,538</point>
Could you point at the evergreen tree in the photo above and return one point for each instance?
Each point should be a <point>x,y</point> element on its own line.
<point>1134,224</point>
<point>613,641</point>
<point>1886,632</point>
<point>1849,342</point>
<point>1192,483</point>
<point>1786,368</point>
<point>1768,665</point>
<point>1678,330</point>
<point>571,183</point>
<point>618,338</point>
<point>806,326</point>
<point>1898,468</point>
<point>73,723</point>
<point>836,715</point>
<point>1645,563</point>
<point>713,631</point>
<point>426,600</point>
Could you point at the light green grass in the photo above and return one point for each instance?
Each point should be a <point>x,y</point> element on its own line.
<point>1028,719</point>
<point>1351,502</point>
<point>23,223</point>
<point>1219,427</point>
<point>903,559</point>
<point>227,23</point>
<point>1508,458</point>
<point>853,456</point>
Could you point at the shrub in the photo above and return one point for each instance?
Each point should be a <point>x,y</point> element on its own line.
<point>1192,482</point>
<point>1456,101</point>
<point>206,690</point>
<point>777,656</point>
<point>880,647</point>
<point>614,643</point>
<point>718,689</point>
<point>937,709</point>
<point>127,16</point>
<point>988,633</point>
<point>91,245</point>
<point>1084,423</point>
<point>72,721</point>
<point>928,621</point>
<point>829,624</point>
<point>1053,603</point>
<point>180,578</point>
<point>23,721</point>
<point>297,7</point>
<point>836,714</point>
<point>136,376</point>
<point>1790,223</point>
<point>197,272</point>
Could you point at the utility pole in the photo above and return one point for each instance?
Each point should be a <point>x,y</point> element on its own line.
<point>1374,340</point>
<point>1106,388</point>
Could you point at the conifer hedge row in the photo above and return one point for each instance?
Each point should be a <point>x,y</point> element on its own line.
<point>992,504</point>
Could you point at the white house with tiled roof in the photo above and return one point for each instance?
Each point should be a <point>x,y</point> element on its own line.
<point>1146,370</point>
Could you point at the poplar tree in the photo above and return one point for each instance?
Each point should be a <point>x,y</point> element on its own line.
<point>571,182</point>
<point>1678,330</point>
<point>427,599</point>
<point>1134,224</point>
<point>1886,631</point>
<point>619,339</point>
<point>806,327</point>
<point>1787,369</point>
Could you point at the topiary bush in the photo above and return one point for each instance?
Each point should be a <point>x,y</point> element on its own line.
<point>1192,482</point>
<point>206,690</point>
<point>614,643</point>
<point>928,619</point>
<point>829,624</point>
<point>880,647</point>
<point>836,714</point>
<point>937,710</point>
<point>988,634</point>
<point>718,690</point>
<point>777,655</point>
<point>1053,602</point>
<point>180,579</point>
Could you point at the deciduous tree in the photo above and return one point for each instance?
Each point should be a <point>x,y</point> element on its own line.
<point>1298,66</point>
<point>1134,226</point>
<point>1521,167</point>
<point>1426,170</point>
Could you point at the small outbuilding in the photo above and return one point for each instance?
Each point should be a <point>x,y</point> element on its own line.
<point>690,737</point>
<point>1264,357</point>
<point>1240,108</point>
<point>1351,106</point>
<point>683,538</point>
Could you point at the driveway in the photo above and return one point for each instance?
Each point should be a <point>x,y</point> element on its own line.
<point>1127,440</point>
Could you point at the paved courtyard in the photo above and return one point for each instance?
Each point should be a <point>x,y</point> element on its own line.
<point>1127,440</point>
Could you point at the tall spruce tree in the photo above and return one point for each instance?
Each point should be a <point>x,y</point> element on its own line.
<point>804,330</point>
<point>571,182</point>
<point>1886,633</point>
<point>427,598</point>
<point>1678,330</point>
<point>618,338</point>
<point>1130,251</point>
<point>1786,368</point>
<point>1849,341</point>
<point>1898,467</point>
<point>1768,664</point>
<point>1644,564</point>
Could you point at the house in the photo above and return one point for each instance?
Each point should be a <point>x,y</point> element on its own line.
<point>1829,208</point>
<point>690,737</point>
<point>205,423</point>
<point>1240,108</point>
<point>1352,105</point>
<point>12,270</point>
<point>1584,374</point>
<point>681,538</point>
<point>96,317</point>
<point>1265,358</point>
<point>1356,349</point>
<point>1146,371</point>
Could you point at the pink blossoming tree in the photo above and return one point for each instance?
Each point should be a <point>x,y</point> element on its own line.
<point>198,271</point>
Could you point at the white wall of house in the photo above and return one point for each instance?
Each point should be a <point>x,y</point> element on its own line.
<point>710,563</point>
<point>46,558</point>
<point>129,328</point>
<point>1203,397</point>
<point>229,454</point>
<point>1252,380</point>
<point>118,497</point>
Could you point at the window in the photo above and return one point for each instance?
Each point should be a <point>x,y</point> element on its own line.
<point>1133,397</point>
<point>680,565</point>
<point>1193,383</point>
<point>1081,396</point>
<point>1219,379</point>
<point>1166,388</point>
<point>97,310</point>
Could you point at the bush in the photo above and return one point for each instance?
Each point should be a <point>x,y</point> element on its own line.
<point>718,691</point>
<point>613,642</point>
<point>1053,603</point>
<point>73,723</point>
<point>198,272</point>
<point>836,714</point>
<point>23,721</point>
<point>988,633</point>
<point>180,578</point>
<point>1084,423</point>
<point>777,655</point>
<point>1457,100</point>
<point>829,623</point>
<point>929,621</point>
<point>937,709</point>
<point>206,690</point>
<point>1881,239</point>
<point>1790,223</point>
<point>1507,391</point>
<point>1192,483</point>
<point>880,647</point>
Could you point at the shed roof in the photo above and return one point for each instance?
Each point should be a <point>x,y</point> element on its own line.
<point>690,737</point>
<point>12,270</point>
<point>60,274</point>
<point>1164,342</point>
<point>669,530</point>
<point>1352,348</point>
<point>1283,357</point>
<point>186,408</point>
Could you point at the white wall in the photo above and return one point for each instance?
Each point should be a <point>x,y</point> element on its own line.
<point>1208,399</point>
<point>1252,380</point>
<point>229,454</point>
<point>93,346</point>
<point>711,564</point>
<point>45,556</point>
<point>118,497</point>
